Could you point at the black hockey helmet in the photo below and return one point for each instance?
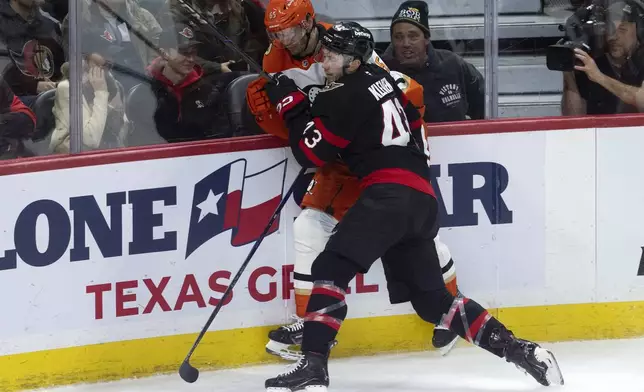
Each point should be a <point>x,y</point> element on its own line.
<point>349,38</point>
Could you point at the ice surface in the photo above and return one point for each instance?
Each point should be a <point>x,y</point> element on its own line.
<point>598,366</point>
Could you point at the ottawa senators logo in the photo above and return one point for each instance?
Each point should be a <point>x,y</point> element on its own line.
<point>35,60</point>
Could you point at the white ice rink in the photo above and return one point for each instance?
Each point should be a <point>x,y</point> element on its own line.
<point>600,366</point>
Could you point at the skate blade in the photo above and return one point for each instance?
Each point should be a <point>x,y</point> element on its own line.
<point>445,350</point>
<point>553,374</point>
<point>283,351</point>
<point>310,388</point>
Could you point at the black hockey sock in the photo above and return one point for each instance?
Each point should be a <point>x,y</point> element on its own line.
<point>325,314</point>
<point>461,315</point>
<point>326,309</point>
<point>473,323</point>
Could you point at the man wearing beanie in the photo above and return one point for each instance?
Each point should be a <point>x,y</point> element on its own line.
<point>453,88</point>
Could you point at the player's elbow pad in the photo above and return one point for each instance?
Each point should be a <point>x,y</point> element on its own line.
<point>296,126</point>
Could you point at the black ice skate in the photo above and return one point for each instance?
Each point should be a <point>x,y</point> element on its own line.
<point>444,339</point>
<point>309,374</point>
<point>285,341</point>
<point>528,357</point>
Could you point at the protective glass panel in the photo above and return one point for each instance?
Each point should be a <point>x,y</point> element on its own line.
<point>32,65</point>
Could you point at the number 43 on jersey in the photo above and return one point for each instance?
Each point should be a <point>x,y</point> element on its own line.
<point>396,127</point>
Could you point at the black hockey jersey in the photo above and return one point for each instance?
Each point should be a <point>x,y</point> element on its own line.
<point>366,119</point>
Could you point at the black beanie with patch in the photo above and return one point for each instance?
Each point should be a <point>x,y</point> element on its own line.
<point>414,12</point>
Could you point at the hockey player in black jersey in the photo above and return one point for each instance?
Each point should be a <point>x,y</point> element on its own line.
<point>363,118</point>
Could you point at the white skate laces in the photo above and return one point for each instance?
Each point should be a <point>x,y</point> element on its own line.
<point>296,326</point>
<point>287,349</point>
<point>292,368</point>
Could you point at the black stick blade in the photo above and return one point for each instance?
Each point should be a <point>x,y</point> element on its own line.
<point>188,372</point>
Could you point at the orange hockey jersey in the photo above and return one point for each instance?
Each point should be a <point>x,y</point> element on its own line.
<point>333,189</point>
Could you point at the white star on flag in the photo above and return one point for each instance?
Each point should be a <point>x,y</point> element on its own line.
<point>209,206</point>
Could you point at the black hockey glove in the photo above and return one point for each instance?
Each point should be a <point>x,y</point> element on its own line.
<point>287,98</point>
<point>279,87</point>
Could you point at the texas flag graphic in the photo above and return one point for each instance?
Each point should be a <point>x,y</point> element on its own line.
<point>228,199</point>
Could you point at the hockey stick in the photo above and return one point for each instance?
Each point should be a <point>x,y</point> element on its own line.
<point>214,30</point>
<point>198,19</point>
<point>188,372</point>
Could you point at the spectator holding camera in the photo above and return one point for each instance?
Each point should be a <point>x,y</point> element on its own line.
<point>611,82</point>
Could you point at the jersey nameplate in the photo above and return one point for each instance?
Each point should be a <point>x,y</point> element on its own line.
<point>380,89</point>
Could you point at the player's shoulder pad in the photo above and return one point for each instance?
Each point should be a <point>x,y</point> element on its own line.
<point>354,89</point>
<point>333,92</point>
<point>332,99</point>
<point>373,84</point>
<point>412,89</point>
<point>342,95</point>
<point>380,84</point>
<point>404,82</point>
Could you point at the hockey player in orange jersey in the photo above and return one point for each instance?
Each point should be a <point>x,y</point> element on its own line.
<point>295,52</point>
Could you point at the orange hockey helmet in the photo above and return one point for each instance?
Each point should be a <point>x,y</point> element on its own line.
<point>284,20</point>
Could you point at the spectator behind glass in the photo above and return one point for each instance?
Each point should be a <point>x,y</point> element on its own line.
<point>453,88</point>
<point>17,122</point>
<point>232,17</point>
<point>190,103</point>
<point>611,82</point>
<point>103,113</point>
<point>35,47</point>
<point>258,41</point>
<point>125,45</point>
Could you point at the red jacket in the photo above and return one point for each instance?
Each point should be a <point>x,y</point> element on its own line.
<point>17,121</point>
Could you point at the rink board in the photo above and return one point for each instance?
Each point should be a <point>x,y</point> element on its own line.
<point>405,333</point>
<point>112,274</point>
